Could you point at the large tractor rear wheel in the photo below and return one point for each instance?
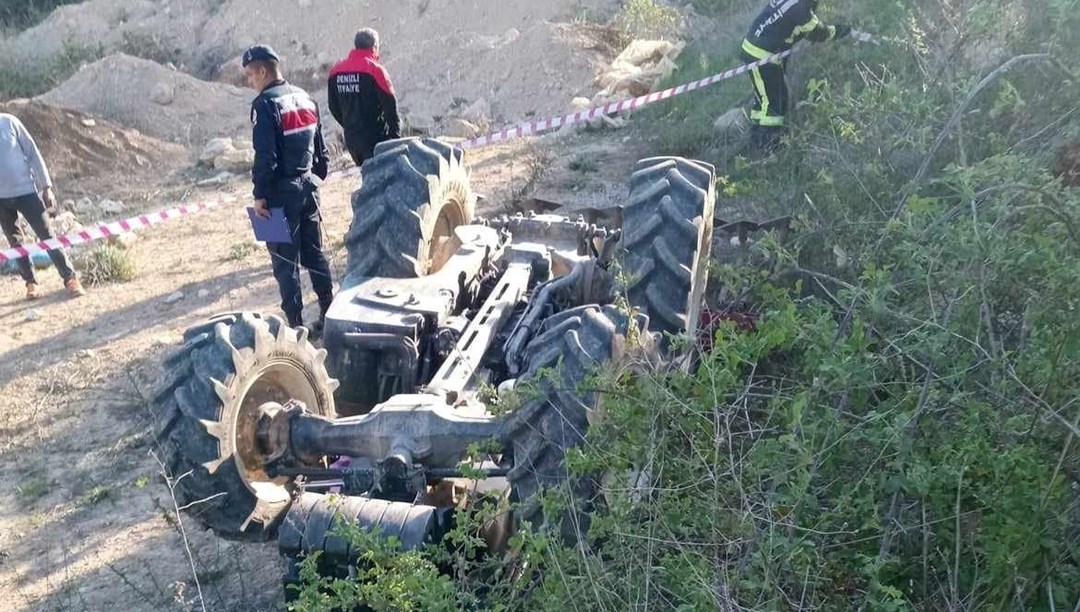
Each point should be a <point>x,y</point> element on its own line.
<point>209,410</point>
<point>570,347</point>
<point>667,241</point>
<point>414,193</point>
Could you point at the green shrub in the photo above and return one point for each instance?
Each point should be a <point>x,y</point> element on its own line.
<point>106,263</point>
<point>898,433</point>
<point>21,14</point>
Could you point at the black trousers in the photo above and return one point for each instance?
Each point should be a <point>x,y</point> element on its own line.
<point>32,209</point>
<point>770,104</point>
<point>300,199</point>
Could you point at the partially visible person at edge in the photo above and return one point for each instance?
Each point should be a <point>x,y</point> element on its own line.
<point>26,189</point>
<point>291,161</point>
<point>780,25</point>
<point>362,99</point>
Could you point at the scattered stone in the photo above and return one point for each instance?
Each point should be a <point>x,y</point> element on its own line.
<point>84,206</point>
<point>163,94</point>
<point>110,207</point>
<point>33,314</point>
<point>237,161</point>
<point>580,103</point>
<point>203,293</point>
<point>175,297</point>
<point>460,128</point>
<point>604,122</point>
<point>66,222</point>
<point>478,112</point>
<point>214,149</point>
<point>732,123</point>
<point>218,179</point>
<point>89,123</point>
<point>86,354</point>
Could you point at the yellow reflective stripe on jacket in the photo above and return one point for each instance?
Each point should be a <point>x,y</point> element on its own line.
<point>754,50</point>
<point>805,28</point>
<point>770,121</point>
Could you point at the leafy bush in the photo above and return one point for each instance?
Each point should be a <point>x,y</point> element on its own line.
<point>21,14</point>
<point>899,431</point>
<point>19,79</point>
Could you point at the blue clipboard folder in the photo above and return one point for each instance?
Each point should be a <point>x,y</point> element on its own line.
<point>274,229</point>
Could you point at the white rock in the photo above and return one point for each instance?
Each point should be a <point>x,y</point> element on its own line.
<point>84,206</point>
<point>732,122</point>
<point>214,149</point>
<point>89,122</point>
<point>110,207</point>
<point>163,94</point>
<point>460,128</point>
<point>203,293</point>
<point>478,112</point>
<point>175,297</point>
<point>85,354</point>
<point>33,314</point>
<point>580,103</point>
<point>66,222</point>
<point>219,179</point>
<point>237,161</point>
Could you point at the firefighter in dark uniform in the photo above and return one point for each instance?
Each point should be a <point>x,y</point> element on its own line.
<point>291,161</point>
<point>362,98</point>
<point>780,25</point>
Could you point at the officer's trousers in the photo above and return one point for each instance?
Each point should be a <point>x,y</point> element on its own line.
<point>300,199</point>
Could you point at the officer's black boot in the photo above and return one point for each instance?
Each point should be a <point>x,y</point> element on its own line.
<point>324,306</point>
<point>294,320</point>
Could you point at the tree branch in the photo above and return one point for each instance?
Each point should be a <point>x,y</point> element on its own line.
<point>951,124</point>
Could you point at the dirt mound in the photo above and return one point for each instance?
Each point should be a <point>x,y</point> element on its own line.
<point>155,99</point>
<point>522,58</point>
<point>80,150</point>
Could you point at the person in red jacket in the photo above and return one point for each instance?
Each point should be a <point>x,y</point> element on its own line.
<point>362,98</point>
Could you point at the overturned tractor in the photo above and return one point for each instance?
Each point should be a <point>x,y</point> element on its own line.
<point>437,306</point>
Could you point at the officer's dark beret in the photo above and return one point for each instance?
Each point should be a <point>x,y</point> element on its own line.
<point>259,53</point>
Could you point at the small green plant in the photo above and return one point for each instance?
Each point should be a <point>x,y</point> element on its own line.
<point>96,495</point>
<point>646,19</point>
<point>34,487</point>
<point>142,481</point>
<point>242,250</point>
<point>106,263</point>
<point>584,163</point>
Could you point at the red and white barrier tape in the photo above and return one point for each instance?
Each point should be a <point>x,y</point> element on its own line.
<point>544,125</point>
<point>107,230</point>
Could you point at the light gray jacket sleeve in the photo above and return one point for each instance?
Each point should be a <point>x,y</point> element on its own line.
<point>33,157</point>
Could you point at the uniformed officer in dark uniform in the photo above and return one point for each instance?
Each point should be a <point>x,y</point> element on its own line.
<point>291,161</point>
<point>780,25</point>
